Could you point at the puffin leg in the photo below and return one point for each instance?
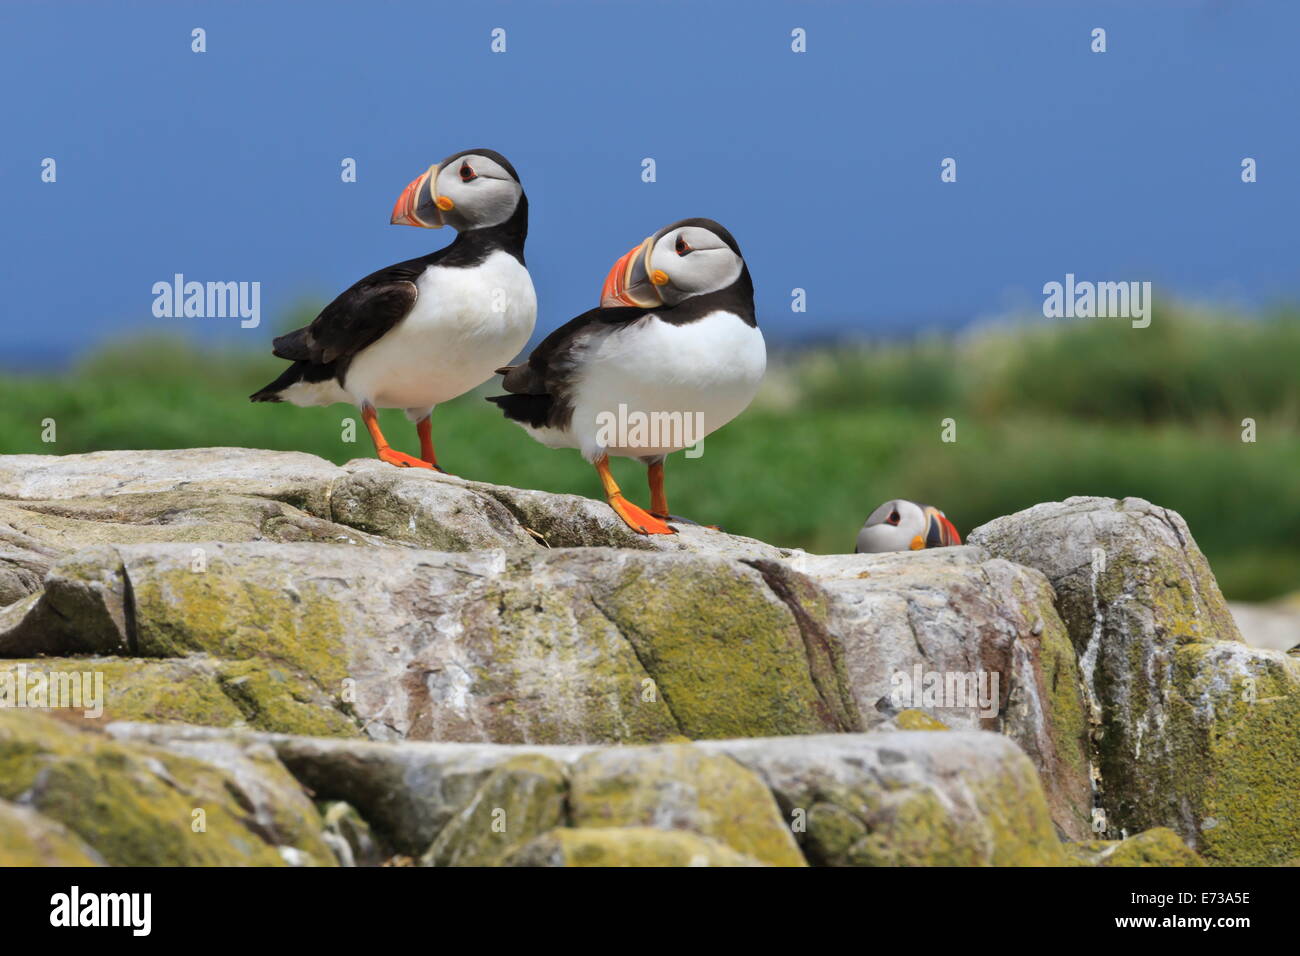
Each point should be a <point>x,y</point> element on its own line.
<point>642,522</point>
<point>659,499</point>
<point>381,443</point>
<point>425,430</point>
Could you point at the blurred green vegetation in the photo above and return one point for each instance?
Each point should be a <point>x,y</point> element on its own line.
<point>1042,412</point>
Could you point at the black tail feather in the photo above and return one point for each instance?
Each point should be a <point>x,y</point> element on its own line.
<point>290,376</point>
<point>531,410</point>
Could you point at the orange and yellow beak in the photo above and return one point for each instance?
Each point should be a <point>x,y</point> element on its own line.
<point>940,532</point>
<point>632,282</point>
<point>418,206</point>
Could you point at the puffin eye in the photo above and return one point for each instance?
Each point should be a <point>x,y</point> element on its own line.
<point>683,247</point>
<point>467,173</point>
<point>893,517</point>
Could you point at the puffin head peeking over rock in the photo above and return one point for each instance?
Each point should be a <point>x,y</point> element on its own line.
<point>422,332</point>
<point>672,354</point>
<point>902,525</point>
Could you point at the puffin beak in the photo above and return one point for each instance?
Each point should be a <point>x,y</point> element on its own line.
<point>941,532</point>
<point>417,206</point>
<point>629,282</point>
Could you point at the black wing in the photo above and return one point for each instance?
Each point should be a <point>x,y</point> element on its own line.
<point>360,315</point>
<point>541,386</point>
<point>549,365</point>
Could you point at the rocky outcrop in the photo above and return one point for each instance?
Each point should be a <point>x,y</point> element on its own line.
<point>206,803</point>
<point>886,798</point>
<point>285,600</point>
<point>1192,728</point>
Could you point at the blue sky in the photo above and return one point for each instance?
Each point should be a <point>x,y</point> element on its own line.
<point>225,165</point>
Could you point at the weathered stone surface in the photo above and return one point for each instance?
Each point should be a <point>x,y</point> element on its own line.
<point>1118,567</point>
<point>439,512</point>
<point>956,617</point>
<point>681,787</point>
<point>82,610</point>
<point>185,690</point>
<point>23,564</point>
<point>69,524</point>
<point>237,494</point>
<point>916,798</point>
<point>626,846</point>
<point>562,646</point>
<point>29,839</point>
<point>299,479</point>
<point>523,797</point>
<point>277,592</point>
<point>701,634</point>
<point>137,805</point>
<point>1193,729</point>
<point>898,798</point>
<point>1158,847</point>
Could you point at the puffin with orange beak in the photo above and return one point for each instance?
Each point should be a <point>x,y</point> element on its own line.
<point>902,525</point>
<point>672,354</point>
<point>424,331</point>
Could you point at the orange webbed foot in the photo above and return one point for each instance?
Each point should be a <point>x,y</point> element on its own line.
<point>680,520</point>
<point>402,460</point>
<point>638,519</point>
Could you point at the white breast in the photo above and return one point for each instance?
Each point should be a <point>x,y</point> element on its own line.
<point>701,375</point>
<point>465,324</point>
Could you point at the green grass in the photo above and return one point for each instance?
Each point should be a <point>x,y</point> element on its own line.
<point>1091,408</point>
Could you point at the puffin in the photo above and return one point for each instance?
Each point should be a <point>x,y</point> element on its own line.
<point>672,353</point>
<point>422,332</point>
<point>902,525</point>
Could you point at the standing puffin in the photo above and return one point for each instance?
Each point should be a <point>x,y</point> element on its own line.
<point>672,354</point>
<point>902,525</point>
<point>424,331</point>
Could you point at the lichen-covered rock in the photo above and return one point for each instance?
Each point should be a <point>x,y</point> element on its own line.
<point>912,719</point>
<point>523,797</point>
<point>980,632</point>
<point>915,798</point>
<point>440,512</point>
<point>538,633</point>
<point>1192,729</point>
<point>1119,567</point>
<point>182,690</point>
<point>195,690</point>
<point>626,847</point>
<point>1224,769</point>
<point>29,839</point>
<point>897,798</point>
<point>274,591</point>
<point>408,792</point>
<point>681,787</point>
<point>559,646</point>
<point>138,805</point>
<point>1158,847</point>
